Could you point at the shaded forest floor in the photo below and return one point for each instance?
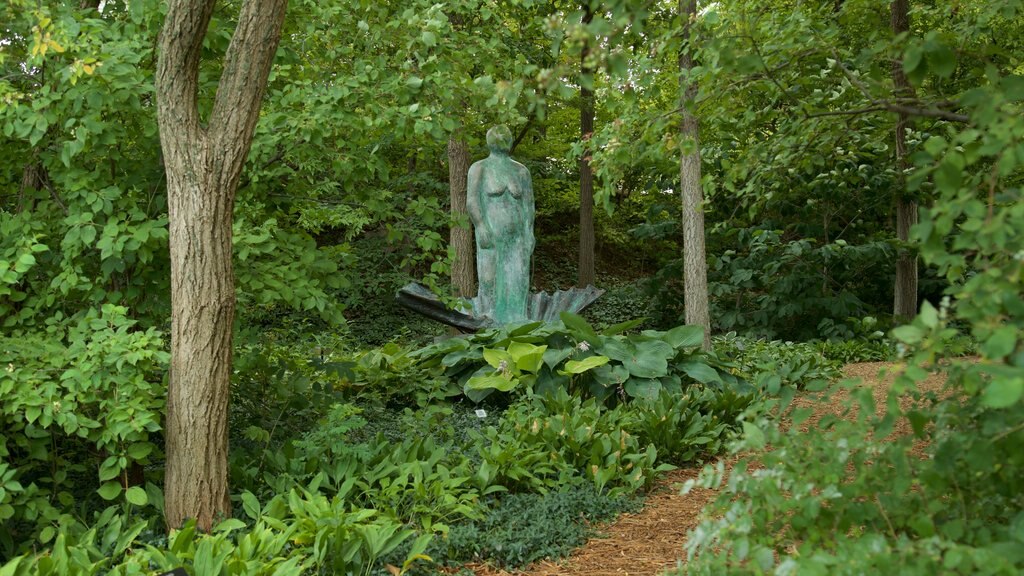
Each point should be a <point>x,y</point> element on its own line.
<point>651,541</point>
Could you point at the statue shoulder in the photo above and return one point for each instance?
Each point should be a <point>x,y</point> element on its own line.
<point>522,170</point>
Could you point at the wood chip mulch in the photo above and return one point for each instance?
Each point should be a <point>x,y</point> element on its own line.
<point>651,541</point>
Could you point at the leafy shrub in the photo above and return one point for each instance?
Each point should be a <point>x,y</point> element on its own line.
<point>763,283</point>
<point>292,534</point>
<point>572,355</point>
<point>684,428</point>
<point>79,409</point>
<point>848,351</point>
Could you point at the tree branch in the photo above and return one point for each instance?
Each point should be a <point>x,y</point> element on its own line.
<point>244,80</point>
<point>177,72</point>
<point>896,107</point>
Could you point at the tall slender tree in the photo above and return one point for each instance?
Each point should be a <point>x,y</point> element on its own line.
<point>203,164</point>
<point>461,236</point>
<point>695,281</point>
<point>586,255</point>
<point>905,288</point>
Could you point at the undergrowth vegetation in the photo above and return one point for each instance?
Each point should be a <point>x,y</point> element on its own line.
<point>348,461</point>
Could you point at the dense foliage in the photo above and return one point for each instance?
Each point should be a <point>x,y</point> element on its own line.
<point>354,439</point>
<point>945,496</point>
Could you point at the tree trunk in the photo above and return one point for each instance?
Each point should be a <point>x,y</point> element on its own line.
<point>203,165</point>
<point>586,261</point>
<point>461,235</point>
<point>905,288</point>
<point>695,271</point>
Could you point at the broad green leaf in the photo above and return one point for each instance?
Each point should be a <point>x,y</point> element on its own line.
<point>685,337</point>
<point>527,357</point>
<point>491,382</point>
<point>110,490</point>
<point>1003,392</point>
<point>500,360</point>
<point>908,334</point>
<point>929,315</point>
<point>700,371</point>
<point>647,388</point>
<point>1001,343</point>
<point>580,326</point>
<point>554,356</point>
<point>581,366</point>
<point>650,359</point>
<point>610,375</point>
<point>754,435</point>
<point>136,495</point>
<point>250,505</point>
<point>229,525</point>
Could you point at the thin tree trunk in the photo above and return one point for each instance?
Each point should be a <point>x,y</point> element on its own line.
<point>695,280</point>
<point>203,165</point>
<point>905,288</point>
<point>461,236</point>
<point>586,256</point>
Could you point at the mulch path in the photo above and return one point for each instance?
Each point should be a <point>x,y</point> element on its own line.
<point>651,541</point>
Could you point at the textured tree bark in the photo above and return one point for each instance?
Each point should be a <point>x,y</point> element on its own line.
<point>905,288</point>
<point>695,270</point>
<point>203,165</point>
<point>460,237</point>
<point>586,256</point>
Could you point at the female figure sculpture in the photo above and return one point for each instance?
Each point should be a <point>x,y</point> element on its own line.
<point>500,203</point>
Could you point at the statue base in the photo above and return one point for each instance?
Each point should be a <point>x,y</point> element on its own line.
<point>541,307</point>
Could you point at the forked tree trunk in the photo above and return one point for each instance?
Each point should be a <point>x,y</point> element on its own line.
<point>460,237</point>
<point>203,165</point>
<point>905,288</point>
<point>586,256</point>
<point>695,271</point>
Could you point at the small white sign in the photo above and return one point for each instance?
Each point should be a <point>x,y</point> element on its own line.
<point>481,413</point>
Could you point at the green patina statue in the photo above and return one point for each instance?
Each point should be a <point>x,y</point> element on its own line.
<point>500,202</point>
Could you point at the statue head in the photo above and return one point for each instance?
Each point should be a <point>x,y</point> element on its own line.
<point>499,139</point>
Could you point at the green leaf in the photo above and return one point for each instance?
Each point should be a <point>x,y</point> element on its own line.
<point>139,450</point>
<point>685,337</point>
<point>754,435</point>
<point>700,371</point>
<point>136,495</point>
<point>499,359</point>
<point>581,366</point>
<point>1001,343</point>
<point>1003,392</point>
<point>908,334</point>
<point>251,505</point>
<point>527,357</point>
<point>580,326</point>
<point>492,382</point>
<point>110,490</point>
<point>229,525</point>
<point>942,60</point>
<point>622,327</point>
<point>912,58</point>
<point>647,388</point>
<point>610,375</point>
<point>929,315</point>
<point>650,359</point>
<point>554,356</point>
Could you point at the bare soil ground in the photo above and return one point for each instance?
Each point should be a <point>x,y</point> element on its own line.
<point>651,540</point>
